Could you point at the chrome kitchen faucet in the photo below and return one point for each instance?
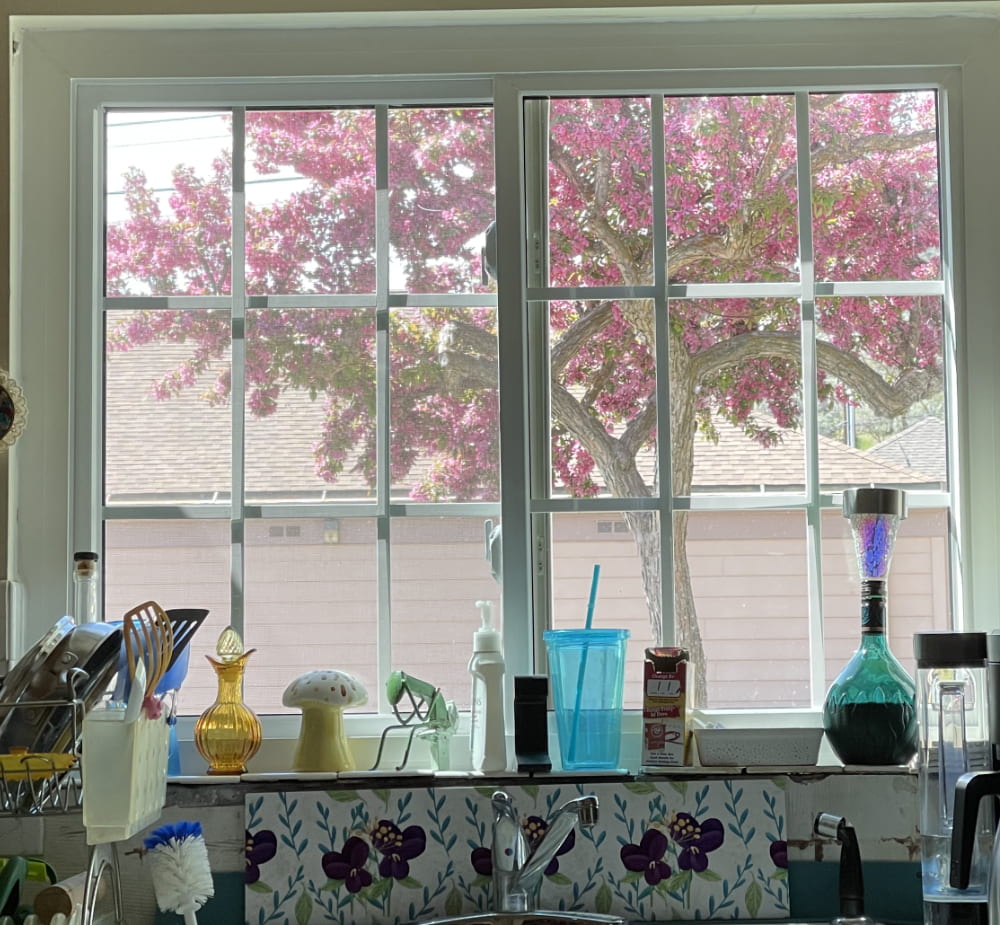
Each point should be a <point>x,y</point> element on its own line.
<point>518,868</point>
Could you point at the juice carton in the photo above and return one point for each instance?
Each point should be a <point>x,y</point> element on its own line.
<point>666,683</point>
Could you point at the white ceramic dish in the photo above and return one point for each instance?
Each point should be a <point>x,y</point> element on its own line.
<point>796,746</point>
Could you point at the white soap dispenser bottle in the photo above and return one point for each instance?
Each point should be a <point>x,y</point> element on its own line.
<point>488,736</point>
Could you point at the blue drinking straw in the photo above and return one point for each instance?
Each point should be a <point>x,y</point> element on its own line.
<point>571,751</point>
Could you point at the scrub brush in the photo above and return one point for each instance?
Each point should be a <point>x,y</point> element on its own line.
<point>182,879</point>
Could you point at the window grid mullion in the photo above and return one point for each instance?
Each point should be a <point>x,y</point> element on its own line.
<point>382,404</point>
<point>661,322</point>
<point>810,415</point>
<point>238,376</point>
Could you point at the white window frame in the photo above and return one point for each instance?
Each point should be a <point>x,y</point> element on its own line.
<point>50,514</point>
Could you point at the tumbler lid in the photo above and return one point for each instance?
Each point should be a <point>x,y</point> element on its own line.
<point>950,650</point>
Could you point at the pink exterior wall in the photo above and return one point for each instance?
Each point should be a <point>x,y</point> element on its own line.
<point>311,602</point>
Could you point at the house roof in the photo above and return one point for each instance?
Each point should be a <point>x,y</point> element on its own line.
<point>920,446</point>
<point>179,450</point>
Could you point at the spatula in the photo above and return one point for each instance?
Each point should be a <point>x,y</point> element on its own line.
<point>149,638</point>
<point>185,622</point>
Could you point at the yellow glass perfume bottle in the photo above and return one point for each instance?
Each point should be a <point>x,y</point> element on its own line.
<point>228,733</point>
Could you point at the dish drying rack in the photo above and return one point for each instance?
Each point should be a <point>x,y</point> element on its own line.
<point>39,785</point>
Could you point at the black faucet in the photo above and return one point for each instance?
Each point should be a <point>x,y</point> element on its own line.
<point>852,883</point>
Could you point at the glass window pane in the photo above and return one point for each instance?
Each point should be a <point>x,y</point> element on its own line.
<point>736,395</point>
<point>310,201</point>
<point>750,594</point>
<point>881,389</point>
<point>876,209</point>
<point>441,197</point>
<point>310,603</point>
<point>178,564</point>
<point>602,398</point>
<point>730,188</point>
<point>168,203</point>
<point>628,594</point>
<point>600,192</point>
<point>443,407</point>
<point>439,571</point>
<point>919,595</point>
<point>310,381</point>
<point>168,424</point>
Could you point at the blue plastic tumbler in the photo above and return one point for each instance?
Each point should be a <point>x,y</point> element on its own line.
<point>587,671</point>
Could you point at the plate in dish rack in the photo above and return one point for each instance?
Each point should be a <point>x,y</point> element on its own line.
<point>22,765</point>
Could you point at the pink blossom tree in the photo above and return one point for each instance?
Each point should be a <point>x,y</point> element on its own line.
<point>731,196</point>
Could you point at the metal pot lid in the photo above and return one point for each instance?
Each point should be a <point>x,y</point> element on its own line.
<point>80,665</point>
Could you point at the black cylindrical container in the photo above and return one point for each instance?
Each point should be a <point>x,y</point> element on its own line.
<point>531,723</point>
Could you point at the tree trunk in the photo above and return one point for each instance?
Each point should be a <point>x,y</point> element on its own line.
<point>687,631</point>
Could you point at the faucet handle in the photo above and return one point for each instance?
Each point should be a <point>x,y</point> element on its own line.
<point>510,844</point>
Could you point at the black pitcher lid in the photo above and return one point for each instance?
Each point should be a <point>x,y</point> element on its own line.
<point>949,650</point>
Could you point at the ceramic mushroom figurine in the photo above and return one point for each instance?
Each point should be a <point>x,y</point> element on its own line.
<point>323,695</point>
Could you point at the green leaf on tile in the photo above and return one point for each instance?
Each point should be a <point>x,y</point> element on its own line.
<point>259,887</point>
<point>303,909</point>
<point>453,902</point>
<point>709,875</point>
<point>680,786</point>
<point>602,901</point>
<point>633,877</point>
<point>343,796</point>
<point>486,792</point>
<point>559,879</point>
<point>531,790</point>
<point>780,874</point>
<point>410,883</point>
<point>377,890</point>
<point>640,787</point>
<point>753,897</point>
<point>677,883</point>
<point>332,885</point>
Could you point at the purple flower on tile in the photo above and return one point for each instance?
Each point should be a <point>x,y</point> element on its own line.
<point>696,840</point>
<point>349,865</point>
<point>482,861</point>
<point>535,828</point>
<point>397,847</point>
<point>261,846</point>
<point>779,853</point>
<point>647,857</point>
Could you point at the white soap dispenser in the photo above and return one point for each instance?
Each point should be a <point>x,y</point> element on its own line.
<point>488,738</point>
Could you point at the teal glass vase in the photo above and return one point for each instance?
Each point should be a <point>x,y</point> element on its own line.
<point>870,712</point>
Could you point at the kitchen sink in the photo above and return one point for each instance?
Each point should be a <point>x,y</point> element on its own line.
<point>529,918</point>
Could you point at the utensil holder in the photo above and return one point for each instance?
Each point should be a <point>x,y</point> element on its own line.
<point>124,769</point>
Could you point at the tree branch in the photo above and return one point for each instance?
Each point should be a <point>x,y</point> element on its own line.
<point>889,399</point>
<point>467,354</point>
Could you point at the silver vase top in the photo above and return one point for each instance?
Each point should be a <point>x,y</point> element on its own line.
<point>874,515</point>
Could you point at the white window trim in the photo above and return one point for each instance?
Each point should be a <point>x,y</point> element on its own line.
<point>54,60</point>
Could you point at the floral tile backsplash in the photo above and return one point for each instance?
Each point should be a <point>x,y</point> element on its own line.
<point>659,851</point>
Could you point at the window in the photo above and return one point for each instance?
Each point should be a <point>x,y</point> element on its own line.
<point>365,385</point>
<point>716,300</point>
<point>279,334</point>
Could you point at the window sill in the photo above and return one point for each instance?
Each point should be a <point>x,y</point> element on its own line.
<point>270,769</point>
